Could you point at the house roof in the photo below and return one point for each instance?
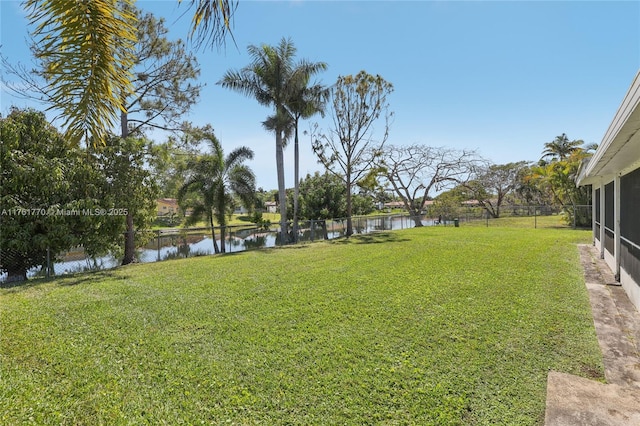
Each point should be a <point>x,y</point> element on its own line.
<point>169,201</point>
<point>394,204</point>
<point>619,150</point>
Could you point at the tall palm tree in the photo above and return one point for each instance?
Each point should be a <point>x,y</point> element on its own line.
<point>561,148</point>
<point>270,78</point>
<point>217,181</point>
<point>304,102</point>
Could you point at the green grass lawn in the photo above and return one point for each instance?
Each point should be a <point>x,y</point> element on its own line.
<point>435,325</point>
<point>552,221</point>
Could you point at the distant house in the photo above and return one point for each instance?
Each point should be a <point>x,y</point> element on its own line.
<point>391,205</point>
<point>394,205</point>
<point>477,203</point>
<point>167,206</point>
<point>614,175</point>
<point>240,210</point>
<point>271,206</point>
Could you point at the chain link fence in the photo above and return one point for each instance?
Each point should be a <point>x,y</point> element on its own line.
<point>516,215</point>
<point>176,243</point>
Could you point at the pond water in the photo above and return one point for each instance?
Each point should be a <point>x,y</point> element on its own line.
<point>199,243</point>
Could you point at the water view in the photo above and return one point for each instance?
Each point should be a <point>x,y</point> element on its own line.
<point>183,243</point>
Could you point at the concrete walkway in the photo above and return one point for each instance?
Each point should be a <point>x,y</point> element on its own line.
<point>576,401</point>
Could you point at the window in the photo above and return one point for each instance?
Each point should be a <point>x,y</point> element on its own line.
<point>609,206</point>
<point>597,201</point>
<point>630,206</point>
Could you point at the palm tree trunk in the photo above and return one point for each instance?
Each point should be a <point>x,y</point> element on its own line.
<point>216,249</point>
<point>296,187</point>
<point>281,188</point>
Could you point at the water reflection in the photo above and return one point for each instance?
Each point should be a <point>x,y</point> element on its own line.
<point>182,244</point>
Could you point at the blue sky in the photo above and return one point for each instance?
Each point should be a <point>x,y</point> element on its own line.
<point>501,77</point>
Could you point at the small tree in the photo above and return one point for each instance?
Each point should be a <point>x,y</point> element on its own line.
<point>128,190</point>
<point>348,150</point>
<point>448,205</point>
<point>528,191</point>
<point>323,197</point>
<point>217,180</point>
<point>558,178</point>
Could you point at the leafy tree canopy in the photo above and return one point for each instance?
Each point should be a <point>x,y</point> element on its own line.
<point>324,196</point>
<point>36,186</point>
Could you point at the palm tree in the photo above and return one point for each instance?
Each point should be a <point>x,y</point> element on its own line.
<point>561,148</point>
<point>304,102</point>
<point>270,78</point>
<point>217,181</point>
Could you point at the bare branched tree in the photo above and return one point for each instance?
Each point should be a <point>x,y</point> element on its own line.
<point>349,149</point>
<point>493,183</point>
<point>414,171</point>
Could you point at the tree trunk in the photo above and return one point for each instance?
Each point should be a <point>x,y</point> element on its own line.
<point>124,125</point>
<point>417,219</point>
<point>15,274</point>
<point>213,236</point>
<point>296,187</point>
<point>349,209</point>
<point>490,210</point>
<point>223,237</point>
<point>281,188</point>
<point>325,231</point>
<point>129,242</point>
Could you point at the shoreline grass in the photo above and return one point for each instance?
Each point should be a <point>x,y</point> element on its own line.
<point>433,325</point>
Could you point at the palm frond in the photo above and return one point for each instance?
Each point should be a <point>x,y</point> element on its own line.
<point>86,49</point>
<point>282,122</point>
<point>237,156</point>
<point>211,22</point>
<point>214,178</point>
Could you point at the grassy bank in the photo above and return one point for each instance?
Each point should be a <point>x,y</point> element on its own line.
<point>423,326</point>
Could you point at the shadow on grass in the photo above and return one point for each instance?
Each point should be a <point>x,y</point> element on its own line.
<point>63,280</point>
<point>86,277</point>
<point>374,238</point>
<point>16,286</point>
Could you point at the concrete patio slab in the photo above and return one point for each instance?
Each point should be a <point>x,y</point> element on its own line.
<point>576,401</point>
